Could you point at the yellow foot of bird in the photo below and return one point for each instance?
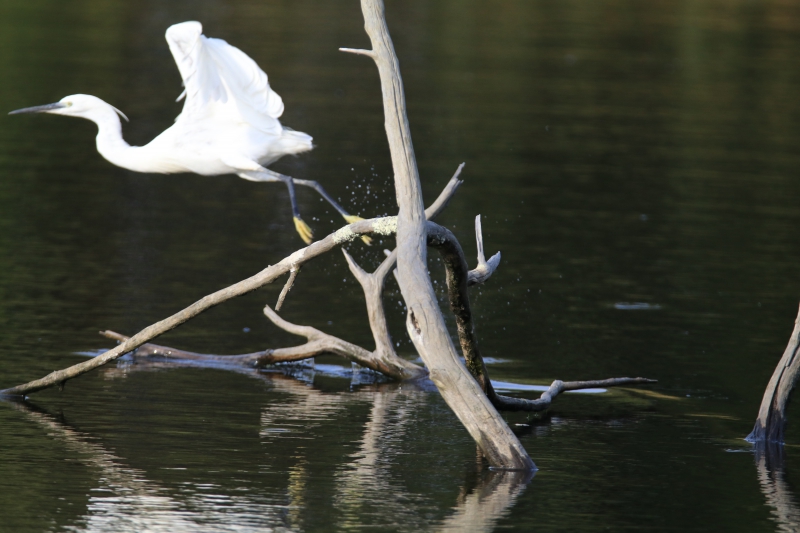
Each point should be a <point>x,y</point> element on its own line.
<point>355,218</point>
<point>304,230</point>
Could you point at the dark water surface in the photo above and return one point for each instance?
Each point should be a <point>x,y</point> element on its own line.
<point>637,163</point>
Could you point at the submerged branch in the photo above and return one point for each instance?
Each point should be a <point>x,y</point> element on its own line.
<point>318,343</point>
<point>155,351</point>
<point>507,403</point>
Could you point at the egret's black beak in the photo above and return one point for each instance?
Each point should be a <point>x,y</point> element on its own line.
<point>38,109</point>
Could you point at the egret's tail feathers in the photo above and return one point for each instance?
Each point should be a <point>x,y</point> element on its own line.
<point>295,142</point>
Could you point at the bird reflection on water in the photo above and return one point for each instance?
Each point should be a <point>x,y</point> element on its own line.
<point>229,123</point>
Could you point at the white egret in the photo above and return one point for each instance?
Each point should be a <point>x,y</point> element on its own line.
<point>229,122</point>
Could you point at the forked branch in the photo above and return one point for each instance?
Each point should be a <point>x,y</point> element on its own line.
<point>485,268</point>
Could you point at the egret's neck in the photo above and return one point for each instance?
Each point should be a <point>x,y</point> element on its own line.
<point>113,147</point>
<point>110,143</point>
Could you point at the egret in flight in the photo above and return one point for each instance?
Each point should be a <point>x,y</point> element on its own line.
<point>229,122</point>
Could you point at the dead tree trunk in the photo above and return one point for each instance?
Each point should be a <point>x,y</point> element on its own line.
<point>425,323</point>
<point>771,422</point>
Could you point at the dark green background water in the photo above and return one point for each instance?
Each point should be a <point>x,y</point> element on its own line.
<point>619,152</point>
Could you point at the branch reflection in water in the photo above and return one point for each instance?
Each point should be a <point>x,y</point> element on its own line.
<point>126,501</point>
<point>365,489</point>
<point>771,468</point>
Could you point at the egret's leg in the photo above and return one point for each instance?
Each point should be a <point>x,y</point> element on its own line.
<point>322,192</point>
<point>328,198</point>
<point>267,175</point>
<point>302,228</point>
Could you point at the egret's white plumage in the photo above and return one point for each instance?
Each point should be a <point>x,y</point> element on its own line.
<point>229,122</point>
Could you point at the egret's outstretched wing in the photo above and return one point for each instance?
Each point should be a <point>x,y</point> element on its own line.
<point>221,81</point>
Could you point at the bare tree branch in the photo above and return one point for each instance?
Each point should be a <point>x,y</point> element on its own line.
<point>319,342</point>
<point>485,268</point>
<point>372,285</point>
<point>358,51</point>
<point>438,205</point>
<point>287,287</point>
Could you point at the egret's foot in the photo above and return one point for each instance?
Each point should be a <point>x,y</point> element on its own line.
<point>355,218</point>
<point>303,230</point>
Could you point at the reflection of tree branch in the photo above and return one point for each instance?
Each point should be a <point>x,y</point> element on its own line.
<point>477,510</point>
<point>308,407</point>
<point>779,496</point>
<point>131,502</point>
<point>492,497</point>
<point>369,475</point>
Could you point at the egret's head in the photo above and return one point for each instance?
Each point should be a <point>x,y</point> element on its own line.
<point>77,105</point>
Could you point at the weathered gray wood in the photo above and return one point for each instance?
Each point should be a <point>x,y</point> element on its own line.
<point>771,422</point>
<point>318,343</point>
<point>425,323</point>
<point>485,268</point>
<point>287,287</point>
<point>381,361</point>
<point>372,285</point>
